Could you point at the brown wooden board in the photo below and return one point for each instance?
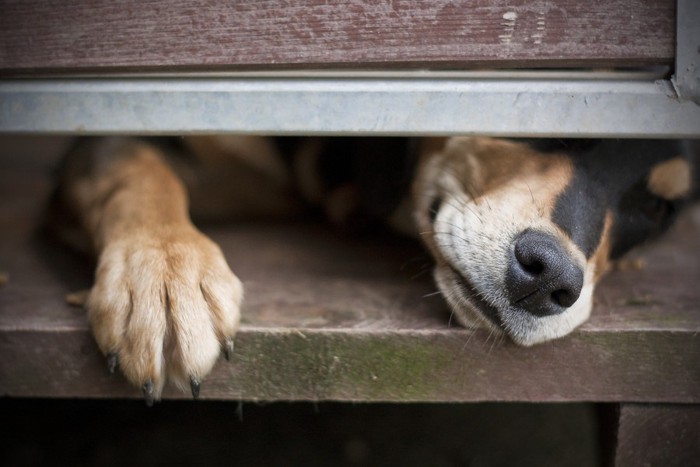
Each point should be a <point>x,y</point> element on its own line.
<point>333,316</point>
<point>658,434</point>
<point>122,35</point>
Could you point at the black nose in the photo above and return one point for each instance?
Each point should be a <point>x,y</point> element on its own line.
<point>541,278</point>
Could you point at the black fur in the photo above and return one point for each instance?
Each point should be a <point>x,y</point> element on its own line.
<point>612,175</point>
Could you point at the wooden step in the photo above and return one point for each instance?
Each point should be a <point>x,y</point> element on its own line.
<point>331,316</point>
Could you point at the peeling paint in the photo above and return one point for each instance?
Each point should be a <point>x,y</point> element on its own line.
<point>510,16</point>
<point>541,26</point>
<point>508,24</point>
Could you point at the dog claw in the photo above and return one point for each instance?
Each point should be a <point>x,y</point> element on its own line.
<point>228,349</point>
<point>148,393</point>
<point>194,385</point>
<point>112,362</point>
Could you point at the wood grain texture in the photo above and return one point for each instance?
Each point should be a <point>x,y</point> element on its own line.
<point>345,317</point>
<point>122,35</point>
<point>658,434</point>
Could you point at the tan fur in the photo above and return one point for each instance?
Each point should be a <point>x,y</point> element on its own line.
<point>601,257</point>
<point>164,299</point>
<point>259,154</point>
<point>671,179</point>
<point>238,176</point>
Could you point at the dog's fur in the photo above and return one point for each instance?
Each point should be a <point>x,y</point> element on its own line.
<point>520,231</point>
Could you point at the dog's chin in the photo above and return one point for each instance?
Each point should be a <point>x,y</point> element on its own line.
<point>466,303</point>
<point>472,310</point>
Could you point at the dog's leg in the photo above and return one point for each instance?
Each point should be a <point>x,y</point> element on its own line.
<point>164,301</point>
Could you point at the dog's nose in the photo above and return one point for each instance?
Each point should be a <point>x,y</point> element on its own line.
<point>541,278</point>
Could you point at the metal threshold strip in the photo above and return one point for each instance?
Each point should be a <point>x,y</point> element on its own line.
<point>367,104</point>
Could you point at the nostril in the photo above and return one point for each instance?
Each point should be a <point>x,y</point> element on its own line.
<point>564,298</point>
<point>529,256</point>
<point>533,267</point>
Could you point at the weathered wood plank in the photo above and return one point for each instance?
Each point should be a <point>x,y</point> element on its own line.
<point>658,434</point>
<point>73,35</point>
<point>339,317</point>
<point>397,366</point>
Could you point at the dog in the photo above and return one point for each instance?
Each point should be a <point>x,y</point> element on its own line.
<point>520,230</point>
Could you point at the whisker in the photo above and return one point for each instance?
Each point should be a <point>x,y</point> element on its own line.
<point>461,206</point>
<point>420,273</point>
<point>448,201</point>
<point>453,235</point>
<point>532,196</point>
<point>448,244</point>
<point>412,260</point>
<point>472,332</point>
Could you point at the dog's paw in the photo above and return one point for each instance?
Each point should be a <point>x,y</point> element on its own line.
<point>163,306</point>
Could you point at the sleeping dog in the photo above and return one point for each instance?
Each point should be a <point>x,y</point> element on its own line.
<point>520,231</point>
